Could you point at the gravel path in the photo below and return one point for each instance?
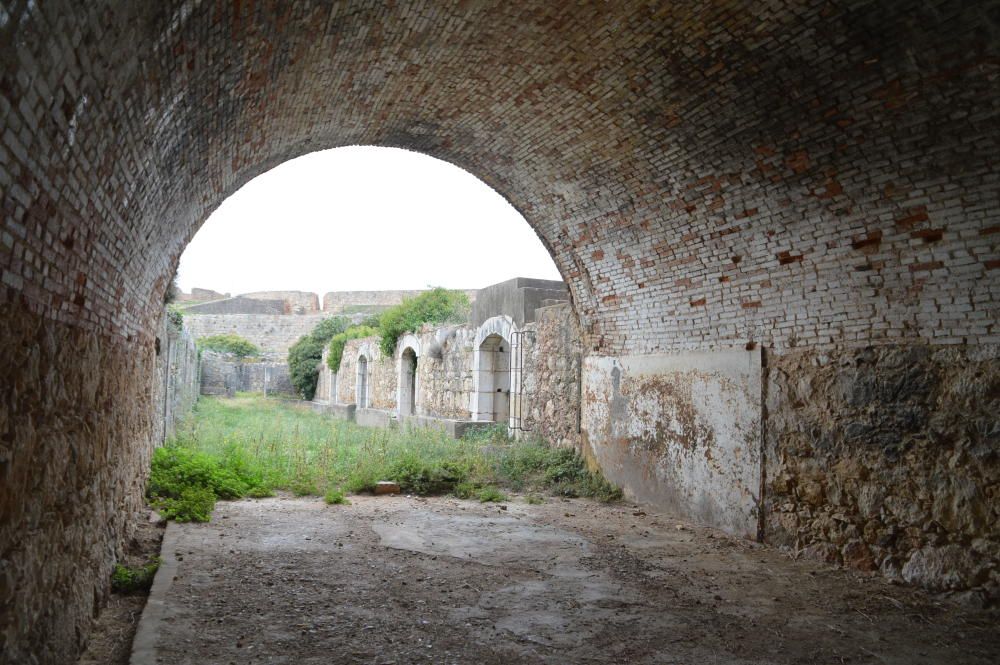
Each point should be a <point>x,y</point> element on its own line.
<point>407,580</point>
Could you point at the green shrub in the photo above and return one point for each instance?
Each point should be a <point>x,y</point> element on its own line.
<point>229,343</point>
<point>339,341</point>
<point>195,504</point>
<point>134,579</point>
<point>304,356</point>
<point>426,477</point>
<point>435,306</point>
<point>335,497</point>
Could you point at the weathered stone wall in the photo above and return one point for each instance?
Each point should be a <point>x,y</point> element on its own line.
<point>336,302</point>
<point>237,305</point>
<point>178,376</point>
<point>381,375</point>
<point>295,302</point>
<point>272,333</point>
<point>79,417</point>
<point>444,372</point>
<point>553,358</point>
<point>888,458</point>
<point>199,295</point>
<point>223,374</point>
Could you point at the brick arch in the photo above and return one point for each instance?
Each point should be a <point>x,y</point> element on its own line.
<point>814,179</point>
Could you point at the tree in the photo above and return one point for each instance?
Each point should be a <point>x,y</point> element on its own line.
<point>304,356</point>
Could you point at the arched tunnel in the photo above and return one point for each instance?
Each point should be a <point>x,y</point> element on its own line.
<point>777,221</point>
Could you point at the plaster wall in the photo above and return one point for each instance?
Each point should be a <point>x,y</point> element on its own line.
<point>680,431</point>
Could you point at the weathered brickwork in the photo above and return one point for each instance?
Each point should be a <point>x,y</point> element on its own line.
<point>707,176</point>
<point>552,377</point>
<point>886,458</point>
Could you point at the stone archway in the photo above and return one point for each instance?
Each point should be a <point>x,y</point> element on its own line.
<point>491,370</point>
<point>407,383</point>
<point>361,390</point>
<point>815,181</point>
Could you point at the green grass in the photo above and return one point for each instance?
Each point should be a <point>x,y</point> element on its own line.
<point>134,579</point>
<point>250,446</point>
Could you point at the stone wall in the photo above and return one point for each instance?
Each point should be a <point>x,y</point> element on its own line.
<point>77,429</point>
<point>381,375</point>
<point>888,458</point>
<point>178,376</point>
<point>223,374</point>
<point>295,302</point>
<point>237,305</point>
<point>552,377</point>
<point>272,333</point>
<point>444,372</point>
<point>336,302</point>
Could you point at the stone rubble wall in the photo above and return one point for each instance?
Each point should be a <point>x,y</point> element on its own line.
<point>444,372</point>
<point>77,430</point>
<point>272,333</point>
<point>888,458</point>
<point>552,376</point>
<point>178,376</point>
<point>237,305</point>
<point>224,374</point>
<point>295,302</point>
<point>381,375</point>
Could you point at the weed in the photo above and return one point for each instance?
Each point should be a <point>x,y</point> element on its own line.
<point>336,497</point>
<point>250,446</point>
<point>134,579</point>
<point>491,494</point>
<point>534,499</point>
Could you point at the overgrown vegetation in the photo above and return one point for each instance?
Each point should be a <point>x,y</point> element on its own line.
<point>304,356</point>
<point>250,446</point>
<point>229,343</point>
<point>338,341</point>
<point>134,579</point>
<point>436,306</point>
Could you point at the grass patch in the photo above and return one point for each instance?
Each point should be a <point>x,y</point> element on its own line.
<point>491,494</point>
<point>335,497</point>
<point>251,446</point>
<point>134,579</point>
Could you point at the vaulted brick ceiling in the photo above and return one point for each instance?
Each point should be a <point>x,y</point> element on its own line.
<point>704,173</point>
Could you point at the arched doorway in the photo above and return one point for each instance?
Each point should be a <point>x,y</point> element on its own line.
<point>494,379</point>
<point>407,382</point>
<point>361,396</point>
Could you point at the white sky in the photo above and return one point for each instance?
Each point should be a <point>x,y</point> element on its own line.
<point>362,218</point>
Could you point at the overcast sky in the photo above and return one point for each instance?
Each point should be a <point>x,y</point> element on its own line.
<point>362,218</point>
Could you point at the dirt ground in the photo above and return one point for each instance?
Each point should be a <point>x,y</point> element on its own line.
<point>110,640</point>
<point>409,580</point>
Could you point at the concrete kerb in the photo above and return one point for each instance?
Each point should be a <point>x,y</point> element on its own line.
<point>144,644</point>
